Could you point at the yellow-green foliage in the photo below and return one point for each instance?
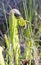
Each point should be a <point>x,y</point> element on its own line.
<point>22,22</point>
<point>7,41</point>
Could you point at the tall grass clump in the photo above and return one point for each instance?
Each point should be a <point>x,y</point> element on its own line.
<point>30,45</point>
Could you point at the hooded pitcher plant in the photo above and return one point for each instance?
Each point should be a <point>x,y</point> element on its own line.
<point>13,27</point>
